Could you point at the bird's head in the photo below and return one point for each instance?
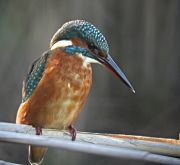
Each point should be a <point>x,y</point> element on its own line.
<point>81,37</point>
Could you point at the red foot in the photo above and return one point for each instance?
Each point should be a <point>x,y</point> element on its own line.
<point>72,131</point>
<point>38,130</point>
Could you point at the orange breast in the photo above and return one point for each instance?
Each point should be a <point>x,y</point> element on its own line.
<point>60,95</point>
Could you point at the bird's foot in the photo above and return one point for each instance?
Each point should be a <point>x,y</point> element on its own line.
<point>73,132</point>
<point>38,130</point>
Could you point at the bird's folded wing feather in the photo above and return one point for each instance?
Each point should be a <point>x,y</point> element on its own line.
<point>34,75</point>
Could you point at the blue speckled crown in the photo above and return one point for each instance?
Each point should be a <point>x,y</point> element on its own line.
<point>83,30</point>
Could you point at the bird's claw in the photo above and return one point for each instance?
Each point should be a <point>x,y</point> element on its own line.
<point>38,130</point>
<point>73,132</point>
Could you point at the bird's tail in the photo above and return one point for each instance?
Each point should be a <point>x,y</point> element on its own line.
<point>36,154</point>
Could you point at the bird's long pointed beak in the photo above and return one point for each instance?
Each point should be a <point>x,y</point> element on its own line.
<point>109,63</point>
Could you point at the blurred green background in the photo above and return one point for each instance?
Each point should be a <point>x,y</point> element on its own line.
<point>144,39</point>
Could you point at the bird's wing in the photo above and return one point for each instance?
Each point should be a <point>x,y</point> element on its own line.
<point>34,75</point>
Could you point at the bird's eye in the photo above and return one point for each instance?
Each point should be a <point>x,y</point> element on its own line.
<point>94,49</point>
<point>91,46</point>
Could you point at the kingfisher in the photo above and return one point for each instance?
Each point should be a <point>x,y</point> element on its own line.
<point>58,82</point>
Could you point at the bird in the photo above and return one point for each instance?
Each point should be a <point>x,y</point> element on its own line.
<point>57,84</point>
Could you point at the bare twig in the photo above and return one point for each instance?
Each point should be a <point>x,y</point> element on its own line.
<point>114,145</point>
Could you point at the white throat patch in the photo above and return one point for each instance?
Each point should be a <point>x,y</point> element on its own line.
<point>88,60</point>
<point>61,43</point>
